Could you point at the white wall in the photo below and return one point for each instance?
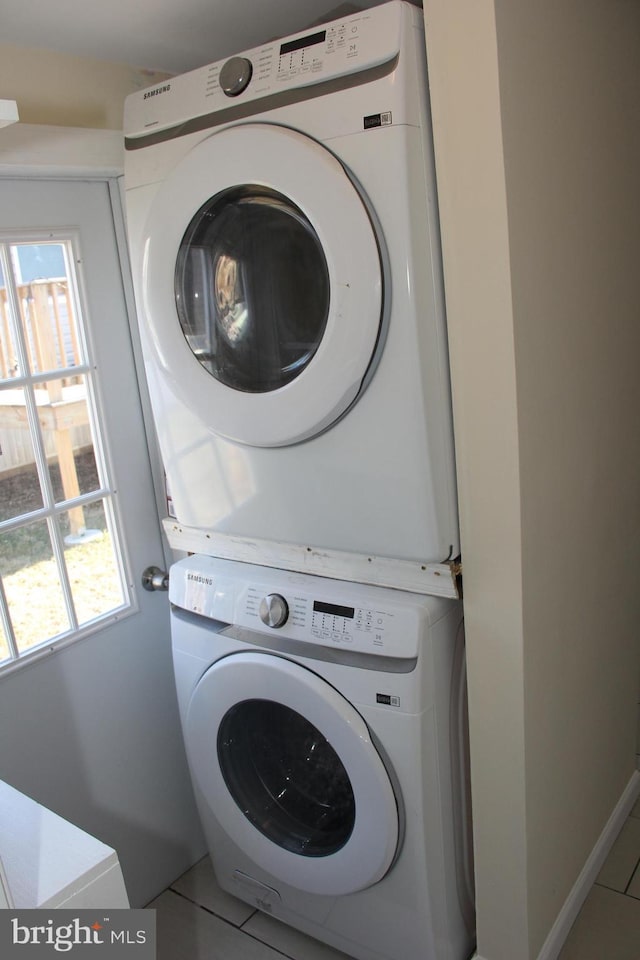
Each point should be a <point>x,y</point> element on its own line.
<point>537,158</point>
<point>93,733</point>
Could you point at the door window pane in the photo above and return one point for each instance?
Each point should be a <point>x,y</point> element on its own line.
<point>252,289</point>
<point>45,298</point>
<point>67,426</point>
<point>59,563</point>
<point>4,645</point>
<point>31,580</point>
<point>9,361</point>
<point>20,490</point>
<point>94,575</point>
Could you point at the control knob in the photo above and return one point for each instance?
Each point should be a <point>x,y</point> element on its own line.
<point>235,75</point>
<point>274,610</point>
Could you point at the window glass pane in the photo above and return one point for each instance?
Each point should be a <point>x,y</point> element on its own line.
<point>252,289</point>
<point>91,564</point>
<point>32,586</point>
<point>9,365</point>
<point>4,646</point>
<point>64,415</point>
<point>19,485</point>
<point>39,261</point>
<point>46,306</point>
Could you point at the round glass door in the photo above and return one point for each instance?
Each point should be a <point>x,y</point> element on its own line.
<point>252,289</point>
<point>286,778</point>
<point>262,286</point>
<point>294,780</point>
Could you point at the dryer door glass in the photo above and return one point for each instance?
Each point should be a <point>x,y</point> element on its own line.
<point>261,283</point>
<point>252,289</point>
<point>286,778</point>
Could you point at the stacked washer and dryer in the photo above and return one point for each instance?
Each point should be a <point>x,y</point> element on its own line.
<point>284,241</point>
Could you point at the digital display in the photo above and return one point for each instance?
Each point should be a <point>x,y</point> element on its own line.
<point>303,42</point>
<point>333,609</point>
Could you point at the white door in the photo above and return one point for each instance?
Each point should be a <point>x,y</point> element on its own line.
<point>78,518</point>
<point>262,285</point>
<point>89,724</point>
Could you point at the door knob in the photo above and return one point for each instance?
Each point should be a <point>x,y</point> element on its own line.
<point>153,578</point>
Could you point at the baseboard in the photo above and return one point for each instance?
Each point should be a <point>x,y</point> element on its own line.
<point>566,918</point>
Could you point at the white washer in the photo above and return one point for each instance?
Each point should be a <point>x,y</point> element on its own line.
<point>284,240</point>
<point>325,729</point>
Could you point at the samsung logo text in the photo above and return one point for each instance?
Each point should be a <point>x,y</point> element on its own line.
<point>198,578</point>
<point>157,91</point>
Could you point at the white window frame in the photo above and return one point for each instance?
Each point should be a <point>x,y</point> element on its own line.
<point>106,492</point>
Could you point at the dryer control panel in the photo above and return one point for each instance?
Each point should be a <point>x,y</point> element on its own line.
<point>306,608</point>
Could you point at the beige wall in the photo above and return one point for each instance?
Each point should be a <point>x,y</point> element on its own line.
<point>569,87</point>
<point>56,89</point>
<point>537,157</point>
<point>462,55</point>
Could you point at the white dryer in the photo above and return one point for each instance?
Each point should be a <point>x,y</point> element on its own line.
<point>325,730</point>
<point>284,239</point>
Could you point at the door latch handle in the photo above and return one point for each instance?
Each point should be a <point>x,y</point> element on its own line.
<point>153,578</point>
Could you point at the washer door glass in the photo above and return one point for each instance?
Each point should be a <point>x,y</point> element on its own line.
<point>286,778</point>
<point>252,289</point>
<point>295,780</point>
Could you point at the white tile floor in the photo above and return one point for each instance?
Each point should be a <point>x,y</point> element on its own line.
<point>198,921</point>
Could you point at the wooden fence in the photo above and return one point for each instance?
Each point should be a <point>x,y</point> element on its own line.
<point>46,311</point>
<point>51,336</point>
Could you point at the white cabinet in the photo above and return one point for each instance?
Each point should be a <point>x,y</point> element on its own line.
<point>48,862</point>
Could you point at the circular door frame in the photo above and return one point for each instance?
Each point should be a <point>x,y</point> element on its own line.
<point>313,179</point>
<point>371,848</point>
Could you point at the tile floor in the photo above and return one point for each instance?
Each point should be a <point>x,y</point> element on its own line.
<point>608,926</point>
<point>198,921</point>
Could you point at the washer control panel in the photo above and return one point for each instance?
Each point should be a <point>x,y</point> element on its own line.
<point>311,609</point>
<point>318,618</point>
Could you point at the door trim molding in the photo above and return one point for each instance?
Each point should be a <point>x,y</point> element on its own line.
<point>50,152</point>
